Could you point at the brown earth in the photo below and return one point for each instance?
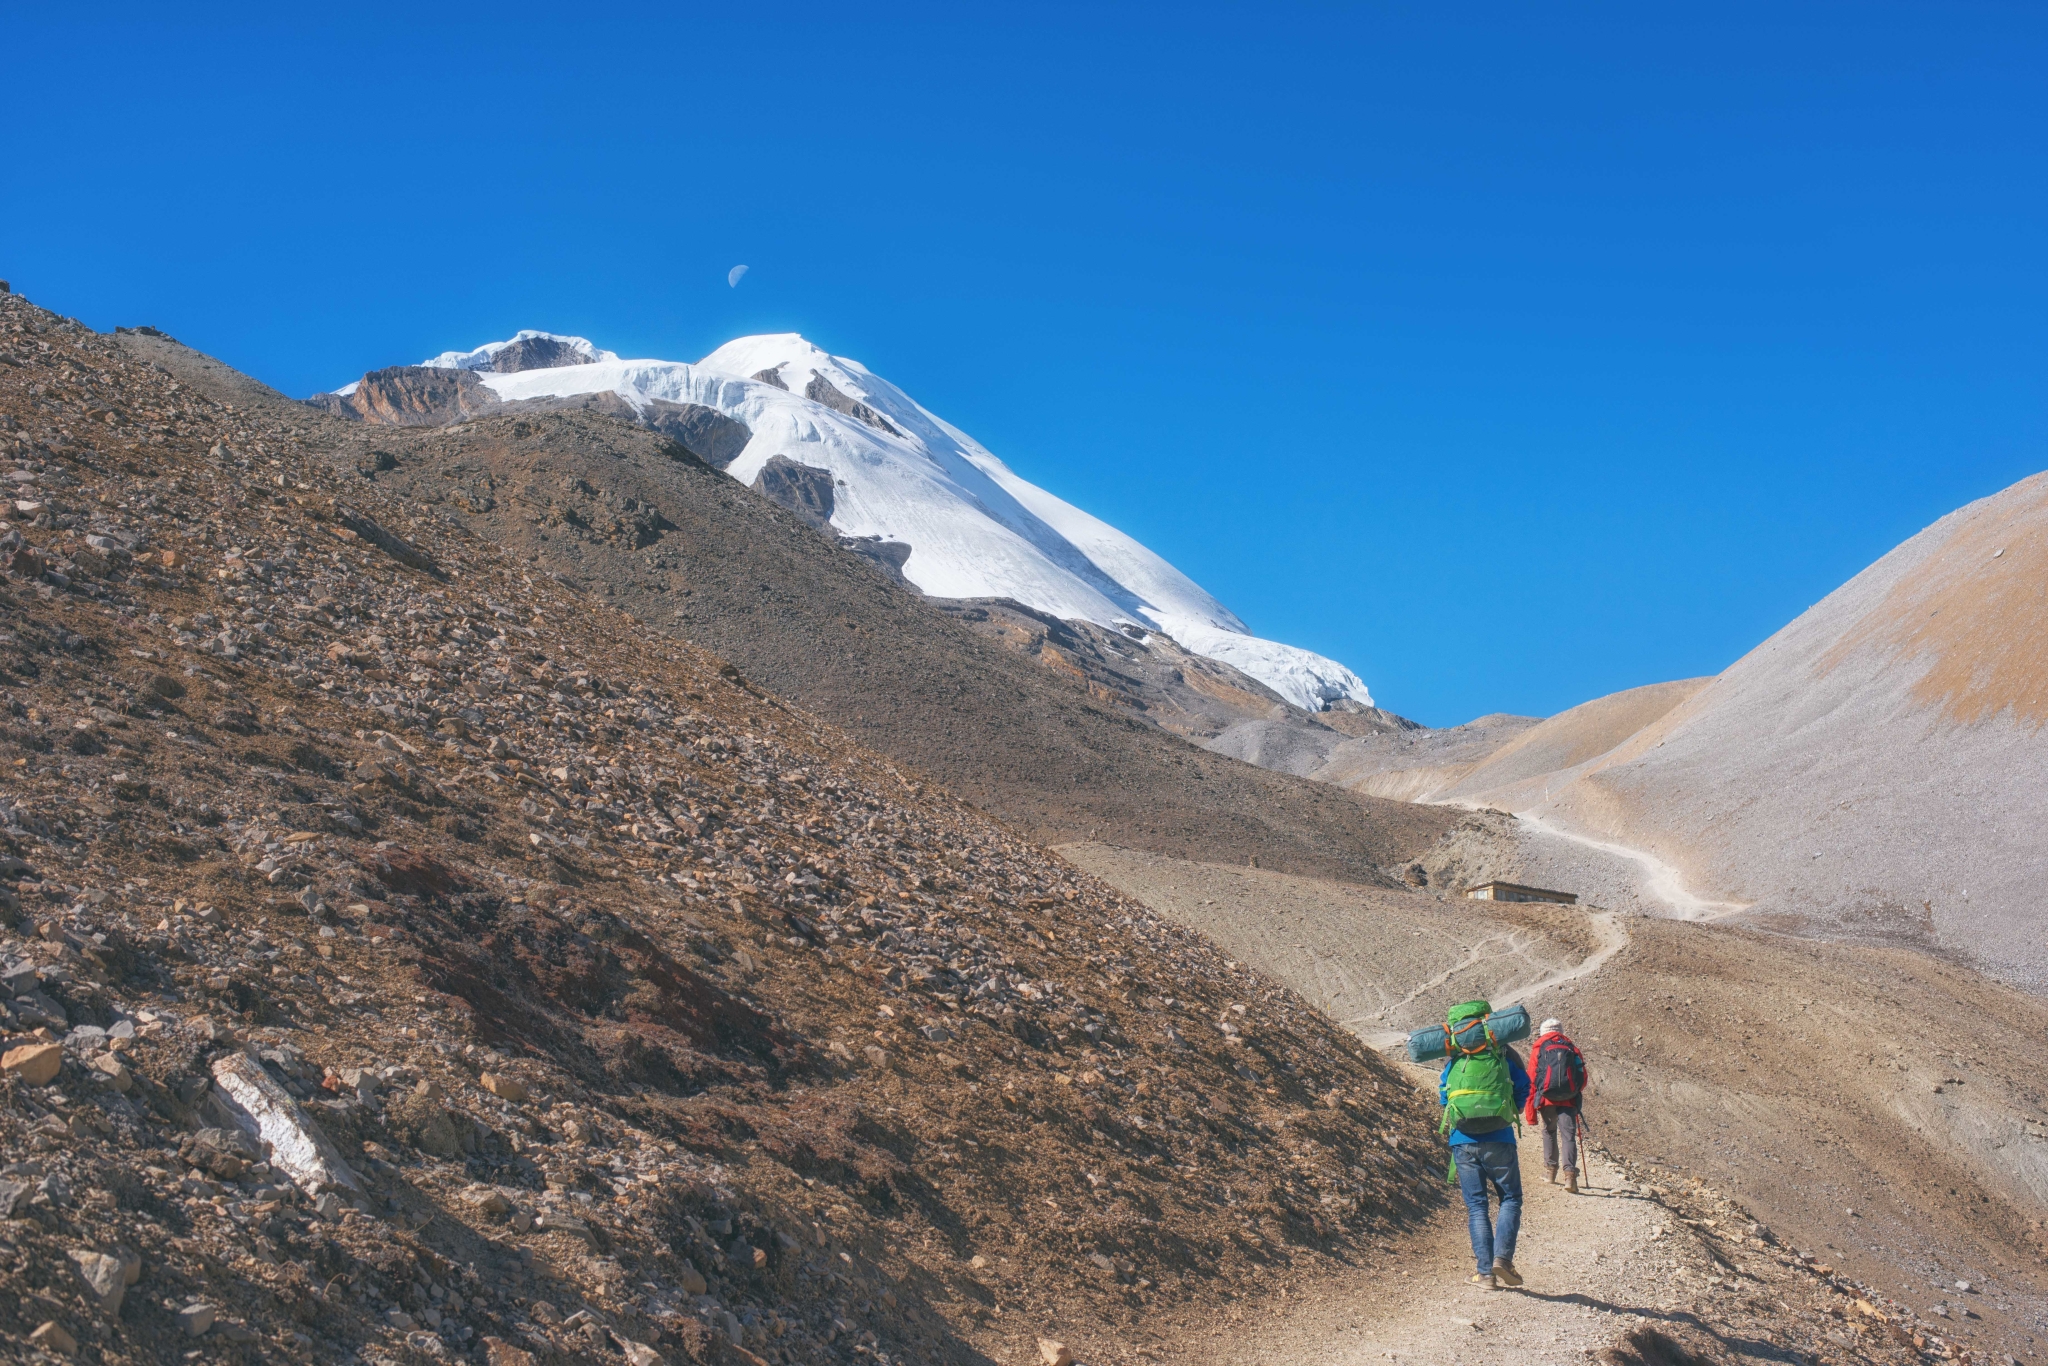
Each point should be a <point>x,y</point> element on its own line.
<point>1371,959</point>
<point>645,1013</point>
<point>1812,1079</point>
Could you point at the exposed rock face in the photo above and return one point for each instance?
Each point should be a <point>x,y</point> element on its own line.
<point>704,432</point>
<point>536,353</point>
<point>437,396</point>
<point>1143,673</point>
<point>412,396</point>
<point>772,376</point>
<point>805,490</point>
<point>822,390</point>
<point>887,556</point>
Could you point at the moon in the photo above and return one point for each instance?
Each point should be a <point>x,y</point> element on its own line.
<point>732,277</point>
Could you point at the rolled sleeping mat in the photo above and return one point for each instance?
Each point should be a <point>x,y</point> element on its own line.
<point>1508,1025</point>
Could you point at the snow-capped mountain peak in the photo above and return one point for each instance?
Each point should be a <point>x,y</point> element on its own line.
<point>888,468</point>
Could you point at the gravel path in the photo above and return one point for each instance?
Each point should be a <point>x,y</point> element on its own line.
<point>1584,1283</point>
<point>1377,962</point>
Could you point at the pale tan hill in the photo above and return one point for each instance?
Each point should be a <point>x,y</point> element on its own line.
<point>1877,769</point>
<point>1569,739</point>
<point>1386,757</point>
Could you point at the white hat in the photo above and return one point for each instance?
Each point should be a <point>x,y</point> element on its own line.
<point>1548,1026</point>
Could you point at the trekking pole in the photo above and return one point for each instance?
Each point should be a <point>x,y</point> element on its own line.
<point>1585,1162</point>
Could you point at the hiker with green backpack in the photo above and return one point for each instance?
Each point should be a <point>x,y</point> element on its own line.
<point>1483,1088</point>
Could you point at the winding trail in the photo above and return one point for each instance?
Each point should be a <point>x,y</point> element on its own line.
<point>1608,930</point>
<point>1660,881</point>
<point>1582,1287</point>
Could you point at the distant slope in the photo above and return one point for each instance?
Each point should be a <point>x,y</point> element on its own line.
<point>1567,740</point>
<point>619,966</point>
<point>1878,768</point>
<point>1395,758</point>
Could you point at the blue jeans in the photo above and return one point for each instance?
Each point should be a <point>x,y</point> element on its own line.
<point>1491,1165</point>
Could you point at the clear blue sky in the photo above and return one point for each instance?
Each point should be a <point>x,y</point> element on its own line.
<point>1512,354</point>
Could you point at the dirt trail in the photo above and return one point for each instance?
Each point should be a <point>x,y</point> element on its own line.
<point>1585,1281</point>
<point>1610,937</point>
<point>1659,881</point>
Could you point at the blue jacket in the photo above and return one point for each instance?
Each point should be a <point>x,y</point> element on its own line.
<point>1506,1133</point>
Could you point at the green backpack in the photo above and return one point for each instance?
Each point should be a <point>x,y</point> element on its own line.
<point>1479,1086</point>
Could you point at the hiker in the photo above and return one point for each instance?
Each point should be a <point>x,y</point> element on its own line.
<point>1483,1089</point>
<point>1556,1094</point>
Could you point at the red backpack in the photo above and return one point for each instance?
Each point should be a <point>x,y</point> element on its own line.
<point>1559,1073</point>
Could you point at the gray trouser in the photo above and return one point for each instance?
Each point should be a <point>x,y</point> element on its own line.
<point>1560,1129</point>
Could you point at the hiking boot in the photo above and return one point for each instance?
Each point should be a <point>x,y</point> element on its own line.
<point>1571,1184</point>
<point>1505,1273</point>
<point>1550,1175</point>
<point>1484,1282</point>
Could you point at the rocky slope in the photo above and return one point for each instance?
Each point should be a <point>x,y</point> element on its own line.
<point>409,956</point>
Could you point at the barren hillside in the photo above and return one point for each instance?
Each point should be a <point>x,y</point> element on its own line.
<point>408,955</point>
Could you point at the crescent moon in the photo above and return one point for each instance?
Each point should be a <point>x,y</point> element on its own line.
<point>732,277</point>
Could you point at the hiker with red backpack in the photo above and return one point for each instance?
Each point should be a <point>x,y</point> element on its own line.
<point>1555,1098</point>
<point>1483,1089</point>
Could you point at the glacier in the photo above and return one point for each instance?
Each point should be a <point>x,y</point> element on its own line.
<point>975,528</point>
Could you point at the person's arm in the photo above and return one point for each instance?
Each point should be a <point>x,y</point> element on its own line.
<point>1520,1075</point>
<point>1443,1083</point>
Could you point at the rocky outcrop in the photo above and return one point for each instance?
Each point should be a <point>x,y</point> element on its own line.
<point>537,353</point>
<point>822,390</point>
<point>412,396</point>
<point>704,432</point>
<point>438,396</point>
<point>805,490</point>
<point>1142,673</point>
<point>887,556</point>
<point>772,376</point>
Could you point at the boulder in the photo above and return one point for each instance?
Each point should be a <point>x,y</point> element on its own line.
<point>35,1063</point>
<point>105,1278</point>
<point>504,1088</point>
<point>262,1109</point>
<point>498,1352</point>
<point>114,1070</point>
<point>51,1337</point>
<point>486,1200</point>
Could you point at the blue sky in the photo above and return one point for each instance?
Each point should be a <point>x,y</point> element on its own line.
<point>1513,355</point>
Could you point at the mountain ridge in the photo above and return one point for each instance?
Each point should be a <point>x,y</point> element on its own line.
<point>902,475</point>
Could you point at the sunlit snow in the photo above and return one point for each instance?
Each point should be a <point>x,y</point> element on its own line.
<point>975,529</point>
